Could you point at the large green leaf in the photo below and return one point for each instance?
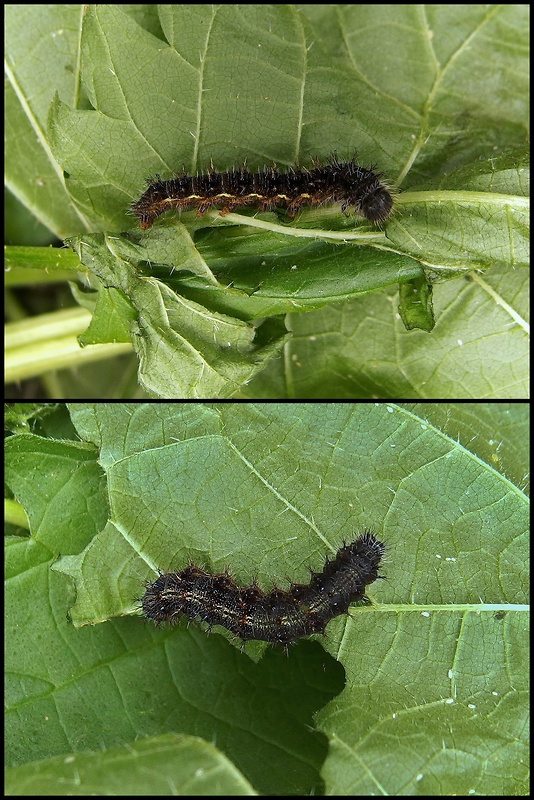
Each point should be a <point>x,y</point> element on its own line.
<point>184,349</point>
<point>360,348</point>
<point>159,765</point>
<point>435,669</point>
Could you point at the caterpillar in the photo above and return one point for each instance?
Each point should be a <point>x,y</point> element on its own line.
<point>335,181</point>
<point>278,616</point>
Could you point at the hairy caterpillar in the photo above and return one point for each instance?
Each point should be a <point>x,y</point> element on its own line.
<point>337,181</point>
<point>277,616</point>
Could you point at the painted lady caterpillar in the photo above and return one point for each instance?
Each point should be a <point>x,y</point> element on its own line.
<point>336,181</point>
<point>277,616</point>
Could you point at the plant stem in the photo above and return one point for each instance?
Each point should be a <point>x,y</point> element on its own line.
<point>49,342</point>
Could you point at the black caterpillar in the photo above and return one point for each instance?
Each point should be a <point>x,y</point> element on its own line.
<point>277,616</point>
<point>336,181</point>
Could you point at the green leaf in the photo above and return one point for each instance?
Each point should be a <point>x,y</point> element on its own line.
<point>415,305</point>
<point>21,417</point>
<point>184,349</point>
<point>161,765</point>
<point>361,348</point>
<point>112,318</point>
<point>40,60</point>
<point>439,658</point>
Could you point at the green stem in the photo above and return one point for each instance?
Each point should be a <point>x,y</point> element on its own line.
<point>49,342</point>
<point>15,514</point>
